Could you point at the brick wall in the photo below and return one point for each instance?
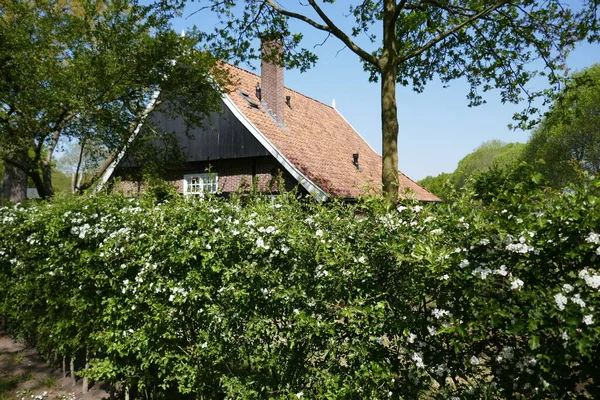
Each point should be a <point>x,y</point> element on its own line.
<point>234,175</point>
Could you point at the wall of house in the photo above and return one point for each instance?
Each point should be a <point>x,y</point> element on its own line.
<point>234,174</point>
<point>223,137</point>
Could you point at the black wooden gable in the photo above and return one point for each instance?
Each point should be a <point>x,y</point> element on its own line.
<point>224,138</point>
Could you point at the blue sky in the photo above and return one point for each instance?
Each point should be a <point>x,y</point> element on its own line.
<point>437,128</point>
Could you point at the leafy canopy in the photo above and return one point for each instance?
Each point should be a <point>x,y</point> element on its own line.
<point>568,140</point>
<point>493,153</point>
<point>77,69</point>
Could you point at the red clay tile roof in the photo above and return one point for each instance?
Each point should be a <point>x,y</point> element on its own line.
<point>319,142</point>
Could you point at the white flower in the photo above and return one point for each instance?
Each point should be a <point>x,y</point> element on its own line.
<point>560,300</point>
<point>204,345</point>
<point>319,232</point>
<point>436,231</point>
<point>483,272</point>
<point>474,360</point>
<point>516,284</point>
<point>299,395</point>
<point>418,359</point>
<point>598,251</point>
<point>507,353</point>
<point>564,335</point>
<point>593,237</point>
<point>362,259</point>
<point>592,281</point>
<point>260,243</point>
<point>521,248</point>
<point>567,288</point>
<point>411,338</point>
<point>320,272</point>
<point>417,209</point>
<point>484,242</point>
<point>501,271</point>
<point>445,277</point>
<point>432,331</point>
<point>588,319</point>
<point>464,263</point>
<point>577,300</point>
<point>440,369</point>
<point>438,313</point>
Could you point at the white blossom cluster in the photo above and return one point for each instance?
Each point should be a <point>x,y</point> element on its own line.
<point>592,280</point>
<point>439,313</point>
<point>593,238</point>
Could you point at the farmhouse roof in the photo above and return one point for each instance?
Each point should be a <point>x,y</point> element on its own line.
<point>317,140</point>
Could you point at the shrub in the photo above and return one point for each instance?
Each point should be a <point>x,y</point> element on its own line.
<point>285,298</point>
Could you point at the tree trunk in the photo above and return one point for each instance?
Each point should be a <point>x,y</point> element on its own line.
<point>14,184</point>
<point>389,108</point>
<point>38,181</point>
<point>47,180</point>
<point>72,369</point>
<point>84,387</point>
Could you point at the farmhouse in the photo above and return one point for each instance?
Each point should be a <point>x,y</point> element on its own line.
<point>268,134</point>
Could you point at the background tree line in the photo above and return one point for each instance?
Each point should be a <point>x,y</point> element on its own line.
<point>566,143</point>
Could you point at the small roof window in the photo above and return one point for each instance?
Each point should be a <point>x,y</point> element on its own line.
<point>251,101</point>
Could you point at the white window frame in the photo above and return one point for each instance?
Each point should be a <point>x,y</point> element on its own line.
<point>200,183</point>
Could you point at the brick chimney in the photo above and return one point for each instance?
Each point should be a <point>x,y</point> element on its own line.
<point>271,78</point>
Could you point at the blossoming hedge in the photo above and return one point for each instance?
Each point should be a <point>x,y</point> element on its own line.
<point>254,298</point>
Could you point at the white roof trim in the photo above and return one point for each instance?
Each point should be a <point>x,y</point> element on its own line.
<point>309,185</point>
<point>357,132</point>
<point>111,168</point>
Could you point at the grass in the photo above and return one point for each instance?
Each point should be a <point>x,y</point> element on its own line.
<point>10,383</point>
<point>14,359</point>
<point>48,382</point>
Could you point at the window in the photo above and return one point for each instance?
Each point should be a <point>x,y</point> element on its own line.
<point>198,184</point>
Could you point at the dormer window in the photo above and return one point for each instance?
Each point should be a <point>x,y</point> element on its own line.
<point>199,184</point>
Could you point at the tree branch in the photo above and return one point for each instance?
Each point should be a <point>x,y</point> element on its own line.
<point>329,27</point>
<point>449,32</point>
<point>399,7</point>
<point>64,117</point>
<point>22,167</point>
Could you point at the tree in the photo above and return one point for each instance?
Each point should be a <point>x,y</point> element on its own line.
<point>493,153</point>
<point>490,43</point>
<point>568,140</point>
<point>91,70</point>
